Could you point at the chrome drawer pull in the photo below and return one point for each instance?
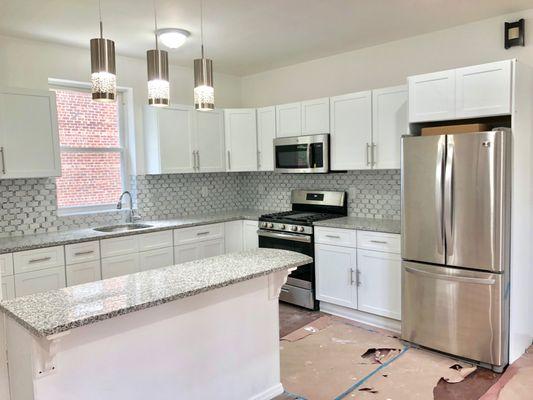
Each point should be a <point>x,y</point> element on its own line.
<point>285,290</point>
<point>202,233</point>
<point>333,236</point>
<point>378,241</point>
<point>36,260</point>
<point>82,253</point>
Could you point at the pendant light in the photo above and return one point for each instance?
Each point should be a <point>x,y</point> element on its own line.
<point>204,93</point>
<point>158,84</point>
<point>103,78</point>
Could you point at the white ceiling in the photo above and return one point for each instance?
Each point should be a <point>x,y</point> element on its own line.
<point>246,36</point>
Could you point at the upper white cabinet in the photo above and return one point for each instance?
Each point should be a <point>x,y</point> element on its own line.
<point>209,141</point>
<point>241,139</point>
<point>29,140</point>
<point>266,132</point>
<point>289,119</point>
<point>351,131</point>
<point>477,91</point>
<point>315,116</point>
<point>389,123</point>
<point>169,140</point>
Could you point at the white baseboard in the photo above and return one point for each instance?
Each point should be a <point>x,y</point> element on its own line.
<point>363,317</point>
<point>270,393</point>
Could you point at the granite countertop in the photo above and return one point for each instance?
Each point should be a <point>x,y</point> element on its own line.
<point>28,242</point>
<point>61,310</point>
<point>363,224</point>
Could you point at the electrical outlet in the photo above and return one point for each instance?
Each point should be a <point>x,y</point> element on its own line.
<point>204,191</point>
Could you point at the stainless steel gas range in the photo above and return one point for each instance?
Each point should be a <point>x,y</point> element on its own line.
<point>293,230</point>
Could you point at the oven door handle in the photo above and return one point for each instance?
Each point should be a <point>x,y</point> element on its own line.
<point>285,236</point>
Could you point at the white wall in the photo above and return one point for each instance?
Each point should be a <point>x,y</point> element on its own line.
<point>387,64</point>
<point>29,64</point>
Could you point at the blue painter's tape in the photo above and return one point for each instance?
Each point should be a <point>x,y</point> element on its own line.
<point>363,380</point>
<point>293,396</point>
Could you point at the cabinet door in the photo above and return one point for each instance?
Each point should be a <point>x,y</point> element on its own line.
<point>8,287</point>
<point>483,90</point>
<point>156,258</point>
<point>289,120</point>
<point>211,248</point>
<point>187,252</point>
<point>389,123</point>
<point>266,132</point>
<point>233,235</point>
<point>39,281</point>
<point>210,141</point>
<point>120,265</point>
<point>432,96</point>
<point>351,131</point>
<point>85,272</point>
<point>28,134</point>
<point>250,238</point>
<point>335,275</point>
<point>241,139</point>
<point>380,283</point>
<point>6,264</point>
<point>315,116</point>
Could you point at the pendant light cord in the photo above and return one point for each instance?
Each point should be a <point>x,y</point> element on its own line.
<point>100,14</point>
<point>155,27</point>
<point>202,25</point>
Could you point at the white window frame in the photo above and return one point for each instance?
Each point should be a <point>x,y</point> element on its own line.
<point>123,149</point>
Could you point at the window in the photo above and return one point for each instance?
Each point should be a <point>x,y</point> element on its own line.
<point>92,152</point>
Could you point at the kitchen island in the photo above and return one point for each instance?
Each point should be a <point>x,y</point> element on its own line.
<point>198,330</point>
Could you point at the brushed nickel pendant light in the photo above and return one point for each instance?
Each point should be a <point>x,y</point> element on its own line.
<point>103,72</point>
<point>204,92</point>
<point>157,62</point>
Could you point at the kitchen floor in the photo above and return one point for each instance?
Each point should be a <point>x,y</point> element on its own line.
<point>382,373</point>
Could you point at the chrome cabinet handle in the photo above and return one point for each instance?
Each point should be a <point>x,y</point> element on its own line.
<point>202,233</point>
<point>82,253</point>
<point>367,157</point>
<point>229,160</point>
<point>372,154</point>
<point>3,160</point>
<point>198,159</point>
<point>258,159</point>
<point>378,241</point>
<point>36,260</point>
<point>357,278</point>
<point>285,290</point>
<point>194,160</point>
<point>351,276</point>
<point>333,236</point>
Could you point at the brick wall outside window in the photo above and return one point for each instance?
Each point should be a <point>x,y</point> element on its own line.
<point>88,178</point>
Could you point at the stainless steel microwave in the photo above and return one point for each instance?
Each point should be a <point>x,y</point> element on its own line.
<point>302,154</point>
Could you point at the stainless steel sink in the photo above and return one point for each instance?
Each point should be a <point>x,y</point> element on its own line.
<point>122,228</point>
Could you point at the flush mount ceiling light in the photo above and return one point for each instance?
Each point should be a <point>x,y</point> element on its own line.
<point>157,62</point>
<point>173,37</point>
<point>204,92</point>
<point>103,78</point>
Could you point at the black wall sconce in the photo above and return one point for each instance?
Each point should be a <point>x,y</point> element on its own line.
<point>514,34</point>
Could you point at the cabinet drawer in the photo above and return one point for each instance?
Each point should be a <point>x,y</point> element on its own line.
<point>335,236</point>
<point>120,265</point>
<point>378,241</point>
<point>86,272</point>
<point>119,246</point>
<point>198,233</point>
<point>156,240</point>
<point>6,264</point>
<point>34,260</point>
<point>8,287</point>
<point>39,281</point>
<point>82,252</point>
<point>157,258</point>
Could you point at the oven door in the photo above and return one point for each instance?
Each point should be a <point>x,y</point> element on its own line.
<point>302,154</point>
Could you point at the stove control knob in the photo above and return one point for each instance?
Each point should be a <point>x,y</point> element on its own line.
<point>294,228</point>
<point>282,226</point>
<point>270,225</point>
<point>301,229</point>
<point>263,224</point>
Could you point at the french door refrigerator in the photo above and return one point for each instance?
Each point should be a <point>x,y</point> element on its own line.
<point>455,244</point>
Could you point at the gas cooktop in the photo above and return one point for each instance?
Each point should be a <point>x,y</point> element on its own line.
<point>297,217</point>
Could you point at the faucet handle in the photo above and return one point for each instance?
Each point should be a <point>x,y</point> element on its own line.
<point>119,205</point>
<point>134,216</point>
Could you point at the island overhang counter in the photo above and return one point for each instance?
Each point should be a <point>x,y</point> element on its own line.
<point>203,329</point>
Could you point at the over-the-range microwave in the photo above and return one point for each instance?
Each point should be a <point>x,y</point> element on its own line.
<point>302,154</point>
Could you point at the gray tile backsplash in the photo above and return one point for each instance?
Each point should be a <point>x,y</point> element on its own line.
<point>29,205</point>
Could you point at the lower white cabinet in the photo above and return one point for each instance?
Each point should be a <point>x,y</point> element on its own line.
<point>379,290</point>
<point>39,281</point>
<point>336,274</point>
<point>85,272</point>
<point>8,287</point>
<point>198,250</point>
<point>6,264</point>
<point>157,258</point>
<point>120,265</point>
<point>233,236</point>
<point>250,237</point>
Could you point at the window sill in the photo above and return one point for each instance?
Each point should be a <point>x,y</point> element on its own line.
<point>79,211</point>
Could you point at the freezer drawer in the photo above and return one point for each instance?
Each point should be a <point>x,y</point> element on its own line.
<point>455,311</point>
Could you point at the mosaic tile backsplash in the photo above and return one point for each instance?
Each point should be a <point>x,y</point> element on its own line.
<point>30,206</point>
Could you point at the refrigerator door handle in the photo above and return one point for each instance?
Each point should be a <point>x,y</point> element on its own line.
<point>462,279</point>
<point>438,195</point>
<point>448,196</point>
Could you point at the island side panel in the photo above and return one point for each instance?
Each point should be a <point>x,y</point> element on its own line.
<point>221,344</point>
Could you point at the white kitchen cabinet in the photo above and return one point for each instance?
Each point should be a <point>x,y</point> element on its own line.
<point>241,139</point>
<point>122,245</point>
<point>169,139</point>
<point>8,287</point>
<point>157,258</point>
<point>29,139</point>
<point>82,252</point>
<point>380,286</point>
<point>336,269</point>
<point>6,264</point>
<point>483,90</point>
<point>289,120</point>
<point>250,238</point>
<point>209,140</point>
<point>120,265</point>
<point>266,133</point>
<point>38,259</point>
<point>84,272</point>
<point>155,240</point>
<point>389,123</point>
<point>432,96</point>
<point>315,116</point>
<point>233,236</point>
<point>351,131</point>
<point>39,281</point>
<point>198,233</point>
<point>198,250</point>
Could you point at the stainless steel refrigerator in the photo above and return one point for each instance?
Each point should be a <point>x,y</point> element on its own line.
<point>455,244</point>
